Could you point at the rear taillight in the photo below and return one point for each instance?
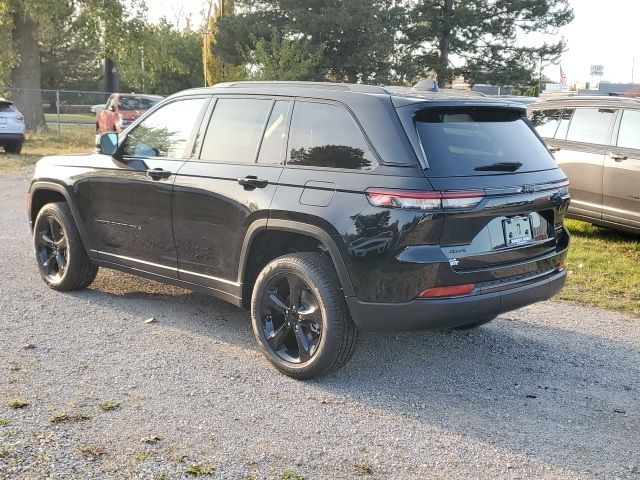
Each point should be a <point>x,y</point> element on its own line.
<point>563,187</point>
<point>423,200</point>
<point>20,118</point>
<point>450,291</point>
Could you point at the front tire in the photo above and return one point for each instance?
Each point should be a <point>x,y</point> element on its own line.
<point>62,260</point>
<point>299,317</point>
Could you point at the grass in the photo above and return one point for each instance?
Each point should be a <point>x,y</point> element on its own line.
<point>198,469</point>
<point>18,403</point>
<point>603,268</point>
<point>69,417</point>
<point>92,452</point>
<point>52,118</point>
<point>109,406</point>
<point>290,475</point>
<point>4,422</point>
<point>73,139</point>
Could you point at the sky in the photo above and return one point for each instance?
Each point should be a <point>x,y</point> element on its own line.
<point>602,33</point>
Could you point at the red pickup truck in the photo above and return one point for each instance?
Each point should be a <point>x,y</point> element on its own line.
<point>122,109</point>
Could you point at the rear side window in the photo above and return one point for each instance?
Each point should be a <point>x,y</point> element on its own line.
<point>629,134</point>
<point>546,122</point>
<point>234,130</point>
<point>460,141</point>
<point>591,125</point>
<point>324,135</point>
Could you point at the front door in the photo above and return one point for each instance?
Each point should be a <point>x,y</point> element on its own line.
<point>130,199</point>
<point>232,183</point>
<point>621,183</point>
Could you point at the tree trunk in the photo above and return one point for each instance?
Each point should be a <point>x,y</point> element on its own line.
<point>442,67</point>
<point>26,75</point>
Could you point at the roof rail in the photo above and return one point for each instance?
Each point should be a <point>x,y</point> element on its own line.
<point>345,87</point>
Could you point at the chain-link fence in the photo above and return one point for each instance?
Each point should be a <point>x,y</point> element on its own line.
<point>63,109</point>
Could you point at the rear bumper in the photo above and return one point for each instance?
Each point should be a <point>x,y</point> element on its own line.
<point>11,137</point>
<point>425,314</point>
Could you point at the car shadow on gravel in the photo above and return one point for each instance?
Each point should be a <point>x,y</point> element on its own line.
<point>562,397</point>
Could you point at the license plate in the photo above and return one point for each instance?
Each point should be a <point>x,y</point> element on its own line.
<point>517,230</point>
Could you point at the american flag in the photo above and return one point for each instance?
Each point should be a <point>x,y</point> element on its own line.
<point>563,77</point>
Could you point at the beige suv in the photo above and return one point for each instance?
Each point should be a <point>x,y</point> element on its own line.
<point>596,141</point>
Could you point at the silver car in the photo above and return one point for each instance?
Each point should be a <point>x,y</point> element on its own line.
<point>11,127</point>
<point>596,141</point>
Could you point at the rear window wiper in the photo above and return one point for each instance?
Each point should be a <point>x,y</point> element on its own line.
<point>499,167</point>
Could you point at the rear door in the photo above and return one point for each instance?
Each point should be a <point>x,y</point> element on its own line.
<point>621,184</point>
<point>503,195</point>
<point>581,151</point>
<point>228,185</point>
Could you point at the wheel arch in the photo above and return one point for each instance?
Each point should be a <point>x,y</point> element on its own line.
<point>306,237</point>
<point>43,192</point>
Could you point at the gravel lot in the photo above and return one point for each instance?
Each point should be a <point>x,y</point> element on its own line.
<point>550,391</point>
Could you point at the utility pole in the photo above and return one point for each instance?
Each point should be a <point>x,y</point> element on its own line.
<point>221,61</point>
<point>540,77</point>
<point>206,43</point>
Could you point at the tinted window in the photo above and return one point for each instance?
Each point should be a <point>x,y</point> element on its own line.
<point>546,122</point>
<point>235,130</point>
<point>166,132</point>
<point>591,125</point>
<point>7,107</point>
<point>629,135</point>
<point>273,138</point>
<point>458,140</point>
<point>563,127</point>
<point>326,136</point>
<point>137,103</point>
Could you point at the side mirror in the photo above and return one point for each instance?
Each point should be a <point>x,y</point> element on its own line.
<point>108,144</point>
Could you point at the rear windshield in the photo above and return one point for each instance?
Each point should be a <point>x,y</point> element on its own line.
<point>461,141</point>
<point>7,107</point>
<point>137,103</point>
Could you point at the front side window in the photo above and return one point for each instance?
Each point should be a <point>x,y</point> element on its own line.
<point>323,135</point>
<point>235,129</point>
<point>563,126</point>
<point>591,125</point>
<point>629,134</point>
<point>166,132</point>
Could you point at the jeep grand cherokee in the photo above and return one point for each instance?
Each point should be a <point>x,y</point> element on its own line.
<point>325,209</point>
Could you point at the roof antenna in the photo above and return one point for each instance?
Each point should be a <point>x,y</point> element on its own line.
<point>426,85</point>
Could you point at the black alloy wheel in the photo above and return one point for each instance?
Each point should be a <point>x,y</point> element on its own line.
<point>62,259</point>
<point>299,316</point>
<point>291,318</point>
<point>52,249</point>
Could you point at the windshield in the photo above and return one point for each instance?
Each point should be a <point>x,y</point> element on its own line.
<point>460,141</point>
<point>137,103</point>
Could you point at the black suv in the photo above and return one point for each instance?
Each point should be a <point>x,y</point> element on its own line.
<point>324,208</point>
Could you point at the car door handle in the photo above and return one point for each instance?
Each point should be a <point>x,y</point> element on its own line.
<point>555,149</point>
<point>251,181</point>
<point>618,157</point>
<point>158,173</point>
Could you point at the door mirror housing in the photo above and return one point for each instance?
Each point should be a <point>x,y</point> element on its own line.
<point>108,144</point>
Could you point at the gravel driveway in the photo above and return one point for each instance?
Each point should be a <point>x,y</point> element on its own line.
<point>549,391</point>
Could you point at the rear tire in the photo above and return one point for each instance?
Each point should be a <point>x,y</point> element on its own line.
<point>477,324</point>
<point>62,259</point>
<point>14,147</point>
<point>299,316</point>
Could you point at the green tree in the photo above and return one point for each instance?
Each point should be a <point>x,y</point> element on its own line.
<point>283,58</point>
<point>30,24</point>
<point>484,34</point>
<point>162,60</point>
<point>216,69</point>
<point>358,36</point>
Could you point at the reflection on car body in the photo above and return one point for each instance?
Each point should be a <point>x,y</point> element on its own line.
<point>375,243</point>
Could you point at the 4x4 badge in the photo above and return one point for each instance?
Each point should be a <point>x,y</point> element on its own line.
<point>527,189</point>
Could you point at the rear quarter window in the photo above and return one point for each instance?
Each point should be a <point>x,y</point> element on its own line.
<point>459,140</point>
<point>591,125</point>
